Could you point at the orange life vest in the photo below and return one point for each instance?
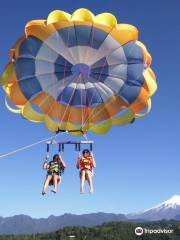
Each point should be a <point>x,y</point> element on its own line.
<point>86,163</point>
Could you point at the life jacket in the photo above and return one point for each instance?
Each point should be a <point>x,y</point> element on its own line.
<point>55,167</point>
<point>86,163</point>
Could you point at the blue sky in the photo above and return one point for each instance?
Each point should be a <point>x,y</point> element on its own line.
<point>137,165</point>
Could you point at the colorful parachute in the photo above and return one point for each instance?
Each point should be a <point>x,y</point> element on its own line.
<point>79,72</point>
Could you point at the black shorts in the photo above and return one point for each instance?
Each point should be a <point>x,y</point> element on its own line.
<point>53,174</point>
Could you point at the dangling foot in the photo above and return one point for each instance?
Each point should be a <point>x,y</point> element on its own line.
<point>53,191</point>
<point>43,193</point>
<point>91,190</point>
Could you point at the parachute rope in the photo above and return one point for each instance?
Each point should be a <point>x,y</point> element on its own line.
<point>70,99</point>
<point>89,117</point>
<point>29,146</point>
<point>85,137</point>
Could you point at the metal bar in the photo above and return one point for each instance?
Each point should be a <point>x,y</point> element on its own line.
<point>47,147</point>
<point>69,131</point>
<point>70,142</point>
<point>59,149</point>
<point>47,152</point>
<point>91,147</point>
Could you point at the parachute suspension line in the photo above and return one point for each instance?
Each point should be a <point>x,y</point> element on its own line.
<point>90,143</point>
<point>86,112</point>
<point>56,113</point>
<point>64,113</point>
<point>102,67</point>
<point>92,39</point>
<point>70,99</point>
<point>95,90</point>
<point>55,109</point>
<point>47,97</point>
<point>60,119</point>
<point>85,109</point>
<point>67,44</point>
<point>85,137</point>
<point>51,105</point>
<point>28,146</point>
<point>91,43</point>
<point>98,112</point>
<point>82,106</point>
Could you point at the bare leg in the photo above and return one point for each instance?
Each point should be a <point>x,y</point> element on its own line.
<point>82,181</point>
<point>55,182</point>
<point>89,179</point>
<point>46,183</point>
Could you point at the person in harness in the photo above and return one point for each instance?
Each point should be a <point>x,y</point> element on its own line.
<point>54,168</point>
<point>85,164</point>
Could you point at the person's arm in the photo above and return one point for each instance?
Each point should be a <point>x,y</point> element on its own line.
<point>93,160</point>
<point>78,161</point>
<point>62,162</point>
<point>45,165</point>
<point>77,164</point>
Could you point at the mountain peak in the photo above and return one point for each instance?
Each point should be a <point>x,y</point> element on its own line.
<point>173,200</point>
<point>168,209</point>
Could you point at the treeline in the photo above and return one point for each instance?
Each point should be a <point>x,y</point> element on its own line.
<point>107,231</point>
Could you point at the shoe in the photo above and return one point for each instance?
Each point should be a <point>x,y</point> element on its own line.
<point>43,193</point>
<point>53,191</point>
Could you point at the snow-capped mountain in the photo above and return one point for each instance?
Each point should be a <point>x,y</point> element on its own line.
<point>169,209</point>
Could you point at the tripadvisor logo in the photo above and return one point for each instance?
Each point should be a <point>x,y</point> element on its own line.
<point>140,231</point>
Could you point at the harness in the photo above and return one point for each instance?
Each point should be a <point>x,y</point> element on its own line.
<point>86,163</point>
<point>55,167</point>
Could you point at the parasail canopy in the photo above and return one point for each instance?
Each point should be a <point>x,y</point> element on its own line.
<point>79,72</point>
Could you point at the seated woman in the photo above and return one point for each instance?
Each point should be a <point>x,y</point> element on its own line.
<point>54,170</point>
<point>85,164</point>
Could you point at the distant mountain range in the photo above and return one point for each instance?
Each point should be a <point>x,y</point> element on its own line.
<point>22,224</point>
